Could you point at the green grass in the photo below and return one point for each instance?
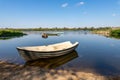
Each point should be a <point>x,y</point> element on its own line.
<point>11,33</point>
<point>115,33</point>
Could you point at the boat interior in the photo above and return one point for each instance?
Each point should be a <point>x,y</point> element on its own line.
<point>52,47</point>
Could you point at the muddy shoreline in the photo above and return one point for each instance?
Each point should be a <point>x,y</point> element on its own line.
<point>9,71</point>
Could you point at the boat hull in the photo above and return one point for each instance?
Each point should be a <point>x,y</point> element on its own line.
<point>51,63</point>
<point>34,55</point>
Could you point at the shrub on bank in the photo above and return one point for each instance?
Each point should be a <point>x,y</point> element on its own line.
<point>115,33</point>
<point>10,33</point>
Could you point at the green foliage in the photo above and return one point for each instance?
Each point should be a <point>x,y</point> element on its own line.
<point>115,33</point>
<point>10,33</point>
<point>60,29</point>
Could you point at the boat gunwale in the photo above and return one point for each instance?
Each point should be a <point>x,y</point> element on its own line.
<point>49,51</point>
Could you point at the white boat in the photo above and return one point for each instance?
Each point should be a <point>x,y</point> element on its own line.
<point>54,62</point>
<point>53,50</point>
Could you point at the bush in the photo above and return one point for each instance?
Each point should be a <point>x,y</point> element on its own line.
<point>10,33</point>
<point>115,33</point>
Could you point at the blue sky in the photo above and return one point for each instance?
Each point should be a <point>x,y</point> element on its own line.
<point>59,13</point>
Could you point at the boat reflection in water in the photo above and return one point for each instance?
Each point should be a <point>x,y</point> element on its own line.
<point>50,63</point>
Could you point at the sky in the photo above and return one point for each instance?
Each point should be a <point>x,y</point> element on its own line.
<point>59,13</point>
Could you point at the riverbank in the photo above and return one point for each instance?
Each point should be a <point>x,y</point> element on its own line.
<point>115,33</point>
<point>10,33</point>
<point>58,29</point>
<point>102,32</point>
<point>9,71</point>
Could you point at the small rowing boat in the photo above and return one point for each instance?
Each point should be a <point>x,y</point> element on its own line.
<point>53,50</point>
<point>54,62</point>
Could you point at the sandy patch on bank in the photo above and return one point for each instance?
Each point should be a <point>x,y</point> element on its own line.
<point>19,72</point>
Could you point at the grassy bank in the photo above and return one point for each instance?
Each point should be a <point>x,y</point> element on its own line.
<point>115,33</point>
<point>10,33</point>
<point>102,32</point>
<point>108,32</point>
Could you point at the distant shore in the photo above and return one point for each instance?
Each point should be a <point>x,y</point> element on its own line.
<point>102,32</point>
<point>115,33</point>
<point>9,71</point>
<point>6,33</point>
<point>59,28</point>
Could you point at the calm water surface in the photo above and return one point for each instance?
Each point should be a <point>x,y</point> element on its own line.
<point>94,53</point>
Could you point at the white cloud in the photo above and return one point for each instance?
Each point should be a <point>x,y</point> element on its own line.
<point>113,14</point>
<point>80,3</point>
<point>64,5</point>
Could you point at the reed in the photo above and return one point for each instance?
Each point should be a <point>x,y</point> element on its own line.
<point>11,33</point>
<point>115,33</point>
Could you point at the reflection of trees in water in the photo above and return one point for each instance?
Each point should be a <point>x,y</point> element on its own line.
<point>7,38</point>
<point>115,37</point>
<point>104,68</point>
<point>58,33</point>
<point>77,32</point>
